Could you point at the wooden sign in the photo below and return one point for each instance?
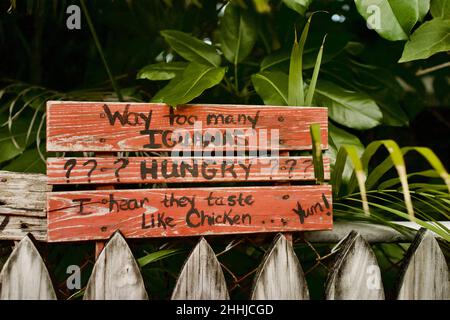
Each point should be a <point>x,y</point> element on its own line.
<point>166,169</point>
<point>90,126</point>
<point>96,215</point>
<point>205,144</point>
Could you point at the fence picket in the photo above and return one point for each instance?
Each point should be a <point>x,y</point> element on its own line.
<point>280,275</point>
<point>355,274</point>
<point>24,275</point>
<point>116,274</point>
<point>201,277</point>
<point>425,272</point>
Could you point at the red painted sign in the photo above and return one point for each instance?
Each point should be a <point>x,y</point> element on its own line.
<point>111,170</point>
<point>99,126</point>
<point>204,144</point>
<point>96,215</point>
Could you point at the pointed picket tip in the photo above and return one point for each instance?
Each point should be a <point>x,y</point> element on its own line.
<point>355,274</point>
<point>116,275</point>
<point>24,275</point>
<point>280,275</point>
<point>201,277</point>
<point>425,274</point>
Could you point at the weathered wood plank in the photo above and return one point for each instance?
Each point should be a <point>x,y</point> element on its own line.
<point>201,277</point>
<point>17,227</point>
<point>100,126</point>
<point>280,276</point>
<point>22,205</point>
<point>172,170</point>
<point>355,274</point>
<point>24,275</point>
<point>116,275</point>
<point>23,194</point>
<point>96,215</point>
<point>425,274</point>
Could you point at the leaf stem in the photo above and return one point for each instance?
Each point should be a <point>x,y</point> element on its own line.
<point>422,72</point>
<point>236,83</point>
<point>100,51</point>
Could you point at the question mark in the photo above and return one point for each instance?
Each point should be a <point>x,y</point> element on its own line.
<point>277,163</point>
<point>291,168</point>
<point>125,163</point>
<point>308,166</point>
<point>69,165</point>
<point>93,168</point>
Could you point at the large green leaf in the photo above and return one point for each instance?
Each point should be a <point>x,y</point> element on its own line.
<point>393,114</point>
<point>378,83</point>
<point>372,78</point>
<point>392,19</point>
<point>14,142</point>
<point>336,43</point>
<point>431,37</point>
<point>162,70</point>
<point>339,137</point>
<point>348,108</point>
<point>272,87</point>
<point>191,48</point>
<point>194,80</point>
<point>382,86</point>
<point>298,5</point>
<point>440,9</point>
<point>238,33</point>
<point>423,7</point>
<point>166,91</point>
<point>9,150</point>
<point>278,60</point>
<point>29,161</point>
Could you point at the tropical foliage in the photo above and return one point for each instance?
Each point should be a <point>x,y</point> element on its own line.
<point>379,66</point>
